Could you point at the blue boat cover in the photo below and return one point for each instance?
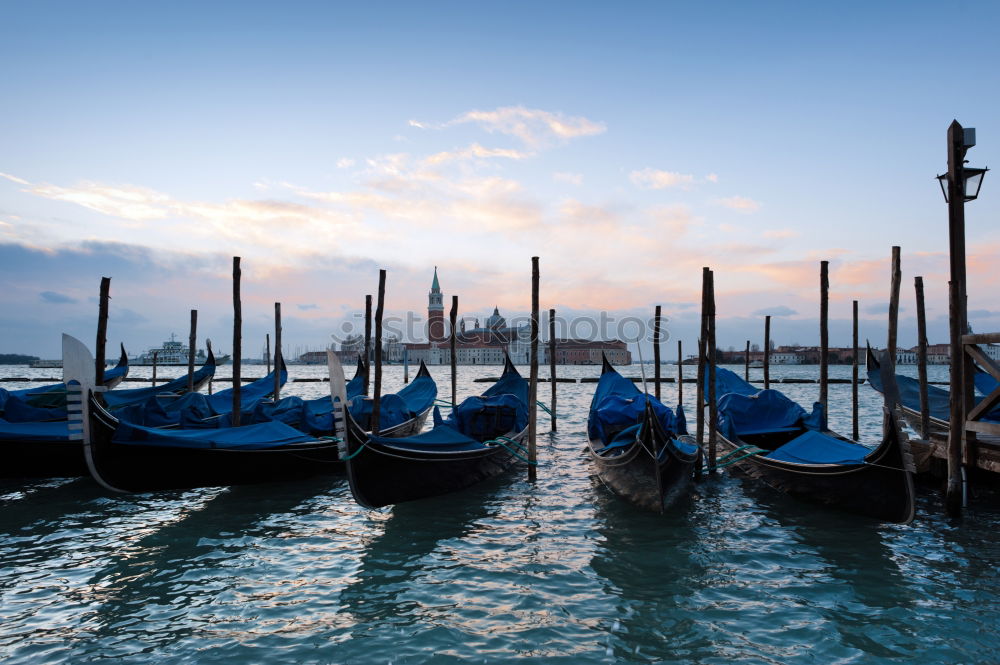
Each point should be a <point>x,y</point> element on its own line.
<point>118,398</point>
<point>117,372</point>
<point>727,381</point>
<point>250,437</point>
<point>618,404</point>
<point>985,383</point>
<point>766,411</point>
<point>502,408</point>
<point>17,410</point>
<point>392,410</point>
<point>817,448</point>
<point>355,387</point>
<point>222,401</point>
<point>938,399</point>
<point>51,431</point>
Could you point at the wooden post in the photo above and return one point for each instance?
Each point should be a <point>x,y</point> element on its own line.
<point>854,376</point>
<point>680,374</point>
<point>155,355</point>
<point>656,352</point>
<point>267,352</point>
<point>453,317</point>
<point>700,381</point>
<point>897,278</point>
<point>533,383</point>
<point>406,365</point>
<point>102,330</point>
<point>368,342</point>
<point>192,343</point>
<point>552,365</point>
<point>953,494</point>
<point>746,363</point>
<point>767,352</point>
<point>237,340</point>
<point>925,414</point>
<point>279,356</point>
<point>824,337</point>
<point>377,394</point>
<point>712,406</point>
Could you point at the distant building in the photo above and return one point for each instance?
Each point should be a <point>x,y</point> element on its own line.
<point>588,352</point>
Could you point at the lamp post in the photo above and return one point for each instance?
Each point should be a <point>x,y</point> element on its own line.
<point>959,184</point>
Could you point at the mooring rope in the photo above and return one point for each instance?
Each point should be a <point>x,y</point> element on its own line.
<point>499,441</point>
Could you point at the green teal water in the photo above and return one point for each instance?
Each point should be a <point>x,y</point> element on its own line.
<point>555,571</point>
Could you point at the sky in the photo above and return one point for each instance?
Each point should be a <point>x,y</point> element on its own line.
<point>627,145</point>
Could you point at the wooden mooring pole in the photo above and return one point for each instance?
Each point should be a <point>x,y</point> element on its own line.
<point>746,363</point>
<point>925,414</point>
<point>267,352</point>
<point>453,316</point>
<point>192,343</point>
<point>368,342</point>
<point>700,380</point>
<point>680,374</point>
<point>552,365</point>
<point>889,363</point>
<point>102,330</point>
<point>767,352</point>
<point>155,357</point>
<point>237,340</point>
<point>377,393</point>
<point>712,405</point>
<point>533,383</point>
<point>656,352</point>
<point>278,354</point>
<point>824,337</point>
<point>854,376</point>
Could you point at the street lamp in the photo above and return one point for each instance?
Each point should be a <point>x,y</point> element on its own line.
<point>972,180</point>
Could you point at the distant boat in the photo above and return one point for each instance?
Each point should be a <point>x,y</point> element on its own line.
<point>173,352</point>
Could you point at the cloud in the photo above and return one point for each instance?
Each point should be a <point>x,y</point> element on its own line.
<point>781,233</point>
<point>307,306</point>
<point>14,178</point>
<point>568,178</point>
<point>345,163</point>
<point>475,151</point>
<point>740,204</point>
<point>654,179</point>
<point>780,310</point>
<point>124,201</point>
<point>56,298</point>
<point>532,126</point>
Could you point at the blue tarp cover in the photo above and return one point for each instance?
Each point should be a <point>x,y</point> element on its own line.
<point>816,448</point>
<point>766,411</point>
<point>727,381</point>
<point>249,437</point>
<point>119,398</point>
<point>985,383</point>
<point>619,404</point>
<point>56,431</point>
<point>392,410</point>
<point>938,399</point>
<point>503,406</point>
<point>222,401</point>
<point>17,410</point>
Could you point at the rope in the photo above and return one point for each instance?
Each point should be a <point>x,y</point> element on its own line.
<point>442,402</point>
<point>545,409</point>
<point>355,453</point>
<point>729,460</point>
<point>499,441</point>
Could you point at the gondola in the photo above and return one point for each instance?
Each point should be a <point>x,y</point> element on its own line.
<point>132,458</point>
<point>116,399</point>
<point>36,440</point>
<point>938,399</point>
<point>482,438</point>
<point>640,449</point>
<point>769,437</point>
<point>53,396</point>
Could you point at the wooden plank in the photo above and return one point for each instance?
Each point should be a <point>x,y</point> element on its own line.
<point>984,361</point>
<point>985,406</point>
<point>985,428</point>
<point>981,338</point>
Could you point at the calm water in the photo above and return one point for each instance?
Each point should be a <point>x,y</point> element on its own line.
<point>554,571</point>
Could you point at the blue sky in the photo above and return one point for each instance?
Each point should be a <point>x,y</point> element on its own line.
<point>627,145</point>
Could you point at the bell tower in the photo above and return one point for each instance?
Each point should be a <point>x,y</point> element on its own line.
<point>435,311</point>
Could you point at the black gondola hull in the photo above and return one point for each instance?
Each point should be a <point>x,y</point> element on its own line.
<point>881,488</point>
<point>633,477</point>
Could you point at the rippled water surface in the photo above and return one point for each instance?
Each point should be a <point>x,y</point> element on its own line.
<point>558,570</point>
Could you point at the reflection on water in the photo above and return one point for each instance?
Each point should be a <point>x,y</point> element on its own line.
<point>559,570</point>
